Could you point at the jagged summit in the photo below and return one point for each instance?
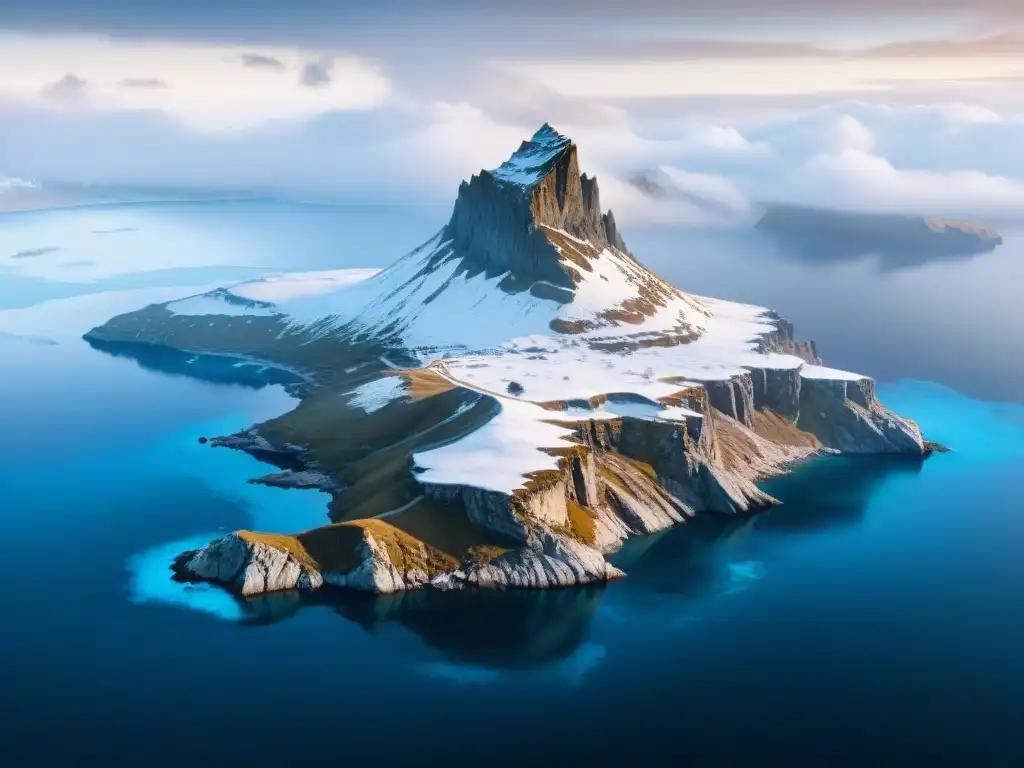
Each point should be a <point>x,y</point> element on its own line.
<point>509,219</point>
<point>535,158</point>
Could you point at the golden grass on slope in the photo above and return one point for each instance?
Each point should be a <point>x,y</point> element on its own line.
<point>406,552</point>
<point>331,548</point>
<point>445,527</point>
<point>577,253</point>
<point>422,383</point>
<point>771,426</point>
<point>382,479</point>
<point>581,522</point>
<point>370,454</point>
<point>283,542</point>
<point>335,548</point>
<point>483,554</point>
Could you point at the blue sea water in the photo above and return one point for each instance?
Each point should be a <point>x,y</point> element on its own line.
<point>876,617</point>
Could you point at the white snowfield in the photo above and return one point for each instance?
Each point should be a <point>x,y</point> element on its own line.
<point>483,338</point>
<point>289,294</point>
<point>500,454</point>
<point>474,314</point>
<point>820,372</point>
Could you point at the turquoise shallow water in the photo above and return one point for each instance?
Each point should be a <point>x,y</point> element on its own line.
<point>875,617</point>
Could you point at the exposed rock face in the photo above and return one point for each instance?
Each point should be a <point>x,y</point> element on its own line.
<point>498,215</point>
<point>248,567</point>
<point>782,340</point>
<point>552,560</point>
<point>303,478</point>
<point>846,416</point>
<point>777,389</point>
<point>491,510</point>
<point>734,397</point>
<point>376,572</point>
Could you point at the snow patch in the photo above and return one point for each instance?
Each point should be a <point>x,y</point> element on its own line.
<point>498,455</point>
<point>820,372</point>
<point>374,395</point>
<point>530,163</point>
<point>216,303</point>
<point>287,287</point>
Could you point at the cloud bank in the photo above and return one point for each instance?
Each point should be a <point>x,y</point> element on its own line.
<point>951,160</point>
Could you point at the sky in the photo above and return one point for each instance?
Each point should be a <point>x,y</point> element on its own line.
<point>726,104</point>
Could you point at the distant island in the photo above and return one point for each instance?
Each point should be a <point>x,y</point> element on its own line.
<point>887,234</point>
<point>508,403</point>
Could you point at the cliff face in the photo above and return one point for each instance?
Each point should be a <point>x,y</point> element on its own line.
<point>847,416</point>
<point>625,477</point>
<point>782,340</point>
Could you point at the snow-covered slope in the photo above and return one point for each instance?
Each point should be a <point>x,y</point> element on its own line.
<point>466,289</point>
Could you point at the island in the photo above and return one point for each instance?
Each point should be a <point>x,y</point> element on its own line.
<point>897,237</point>
<point>508,403</point>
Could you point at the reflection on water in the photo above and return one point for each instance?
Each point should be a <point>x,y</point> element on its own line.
<point>830,492</point>
<point>215,369</point>
<point>479,634</point>
<point>498,630</point>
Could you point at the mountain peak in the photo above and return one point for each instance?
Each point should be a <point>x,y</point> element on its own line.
<point>504,219</point>
<point>535,158</point>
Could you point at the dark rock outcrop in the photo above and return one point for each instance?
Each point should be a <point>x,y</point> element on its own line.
<point>783,341</point>
<point>734,397</point>
<point>777,389</point>
<point>498,215</point>
<point>846,416</point>
<point>899,238</point>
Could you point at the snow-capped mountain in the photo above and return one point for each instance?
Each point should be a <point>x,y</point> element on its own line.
<point>527,251</point>
<point>521,383</point>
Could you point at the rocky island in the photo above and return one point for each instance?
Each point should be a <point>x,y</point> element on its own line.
<point>506,404</point>
<point>879,233</point>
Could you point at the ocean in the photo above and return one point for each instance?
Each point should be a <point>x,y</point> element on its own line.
<point>876,617</point>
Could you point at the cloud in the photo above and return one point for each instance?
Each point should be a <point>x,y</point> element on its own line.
<point>261,61</point>
<point>995,45</point>
<point>317,73</point>
<point>953,160</point>
<point>703,199</point>
<point>143,82</point>
<point>68,87</point>
<point>202,84</point>
<point>8,184</point>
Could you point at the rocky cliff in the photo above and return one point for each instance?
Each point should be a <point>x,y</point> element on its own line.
<point>499,215</point>
<point>624,477</point>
